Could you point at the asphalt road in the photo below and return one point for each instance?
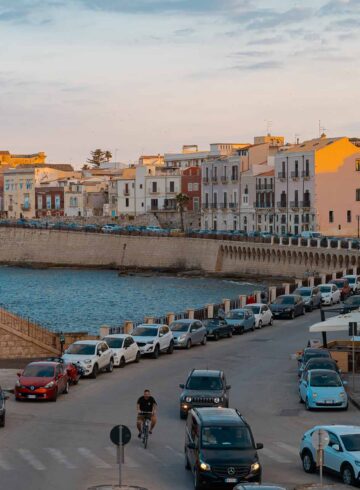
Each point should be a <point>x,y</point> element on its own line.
<point>65,445</point>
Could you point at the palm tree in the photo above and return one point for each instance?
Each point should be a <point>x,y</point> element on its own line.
<point>108,155</point>
<point>181,201</point>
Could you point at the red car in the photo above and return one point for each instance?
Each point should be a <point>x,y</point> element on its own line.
<point>42,380</point>
<point>74,371</point>
<point>344,287</point>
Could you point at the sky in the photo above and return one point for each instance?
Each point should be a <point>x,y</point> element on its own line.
<point>147,76</point>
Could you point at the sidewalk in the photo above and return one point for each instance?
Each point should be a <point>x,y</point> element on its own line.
<point>8,379</point>
<point>354,396</point>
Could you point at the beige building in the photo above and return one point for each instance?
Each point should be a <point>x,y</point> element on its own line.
<point>11,160</point>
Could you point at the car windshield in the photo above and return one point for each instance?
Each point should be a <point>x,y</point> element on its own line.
<point>311,355</point>
<point>82,349</point>
<point>226,438</point>
<point>213,323</point>
<point>38,371</point>
<point>303,292</point>
<point>351,280</point>
<point>206,383</point>
<point>145,332</point>
<point>235,315</point>
<point>351,442</point>
<point>325,289</point>
<point>325,380</point>
<point>114,343</point>
<point>179,327</point>
<point>254,309</point>
<point>339,284</point>
<point>314,364</point>
<point>284,300</point>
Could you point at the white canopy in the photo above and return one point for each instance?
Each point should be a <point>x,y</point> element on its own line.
<point>337,323</point>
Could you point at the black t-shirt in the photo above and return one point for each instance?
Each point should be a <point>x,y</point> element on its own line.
<point>146,405</point>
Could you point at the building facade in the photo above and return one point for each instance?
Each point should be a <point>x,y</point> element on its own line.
<point>191,186</point>
<point>49,201</point>
<point>11,160</point>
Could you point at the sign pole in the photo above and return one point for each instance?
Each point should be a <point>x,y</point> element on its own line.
<point>120,453</point>
<point>353,362</point>
<point>321,461</point>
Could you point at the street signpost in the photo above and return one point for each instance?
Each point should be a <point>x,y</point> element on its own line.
<point>120,435</point>
<point>353,333</point>
<point>320,439</point>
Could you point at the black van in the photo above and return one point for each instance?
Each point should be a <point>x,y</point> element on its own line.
<point>220,448</point>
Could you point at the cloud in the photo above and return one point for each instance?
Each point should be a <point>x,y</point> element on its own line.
<point>266,41</point>
<point>273,18</point>
<point>340,7</point>
<point>262,65</point>
<point>250,54</point>
<point>187,31</point>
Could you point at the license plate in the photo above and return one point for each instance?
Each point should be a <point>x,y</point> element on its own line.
<point>329,402</point>
<point>32,396</point>
<point>230,480</point>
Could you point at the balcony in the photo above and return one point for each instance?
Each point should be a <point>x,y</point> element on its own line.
<point>294,204</point>
<point>281,204</point>
<point>205,180</point>
<point>282,175</point>
<point>233,205</point>
<point>25,207</point>
<point>213,205</point>
<point>295,175</point>
<point>169,207</point>
<point>153,208</point>
<point>224,206</point>
<point>214,179</point>
<point>206,205</point>
<point>234,179</point>
<point>264,187</point>
<point>306,175</point>
<point>262,205</point>
<point>171,191</point>
<point>306,205</point>
<point>153,191</point>
<point>126,192</point>
<point>224,179</point>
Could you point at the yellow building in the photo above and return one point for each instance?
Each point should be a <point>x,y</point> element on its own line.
<point>10,160</point>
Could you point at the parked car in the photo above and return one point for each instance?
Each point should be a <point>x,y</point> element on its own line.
<point>241,320</point>
<point>3,399</point>
<point>220,448</point>
<point>93,355</point>
<point>266,486</point>
<point>188,332</point>
<point>311,297</point>
<point>321,363</point>
<point>217,328</point>
<point>311,353</point>
<point>322,388</point>
<point>343,286</point>
<point>74,371</point>
<point>354,282</point>
<point>341,456</point>
<point>42,380</point>
<point>153,339</point>
<point>310,234</point>
<point>110,228</point>
<point>262,313</point>
<point>350,304</point>
<point>204,388</point>
<point>288,306</point>
<point>330,294</point>
<point>124,347</point>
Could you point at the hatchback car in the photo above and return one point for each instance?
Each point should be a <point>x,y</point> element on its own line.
<point>311,353</point>
<point>321,363</point>
<point>220,449</point>
<point>204,388</point>
<point>217,328</point>
<point>311,297</point>
<point>241,320</point>
<point>341,455</point>
<point>343,286</point>
<point>153,339</point>
<point>330,294</point>
<point>288,306</point>
<point>93,356</point>
<point>42,380</point>
<point>186,333</point>
<point>3,399</point>
<point>350,304</point>
<point>321,388</point>
<point>262,313</point>
<point>124,347</point>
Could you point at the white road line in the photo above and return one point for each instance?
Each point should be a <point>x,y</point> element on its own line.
<point>60,457</point>
<point>177,453</point>
<point>31,459</point>
<point>155,458</point>
<point>95,460</point>
<point>4,465</point>
<point>276,457</point>
<point>288,448</point>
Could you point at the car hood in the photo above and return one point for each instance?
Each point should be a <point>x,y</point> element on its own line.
<point>34,381</point>
<point>205,394</point>
<point>277,307</point>
<point>228,457</point>
<point>213,327</point>
<point>235,321</point>
<point>176,335</point>
<point>77,357</point>
<point>144,340</point>
<point>324,391</point>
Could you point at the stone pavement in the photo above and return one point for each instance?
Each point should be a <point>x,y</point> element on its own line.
<point>353,394</point>
<point>8,379</point>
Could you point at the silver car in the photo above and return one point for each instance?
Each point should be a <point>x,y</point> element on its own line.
<point>188,332</point>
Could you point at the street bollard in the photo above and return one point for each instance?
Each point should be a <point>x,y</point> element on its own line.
<point>190,313</point>
<point>210,310</point>
<point>243,299</point>
<point>226,305</point>
<point>128,326</point>
<point>170,318</point>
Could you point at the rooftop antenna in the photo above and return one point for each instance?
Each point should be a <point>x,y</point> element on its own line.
<point>297,138</point>
<point>268,126</point>
<point>322,129</point>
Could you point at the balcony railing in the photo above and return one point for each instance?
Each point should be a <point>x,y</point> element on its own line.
<point>264,187</point>
<point>282,175</point>
<point>233,205</point>
<point>25,207</point>
<point>281,204</point>
<point>214,179</point>
<point>213,205</point>
<point>153,191</point>
<point>305,174</point>
<point>234,178</point>
<point>294,204</point>
<point>306,204</point>
<point>126,192</point>
<point>224,205</point>
<point>171,191</point>
<point>224,179</point>
<point>295,175</point>
<point>205,180</point>
<point>263,205</point>
<point>205,205</point>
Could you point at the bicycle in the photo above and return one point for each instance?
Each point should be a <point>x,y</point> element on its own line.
<point>145,427</point>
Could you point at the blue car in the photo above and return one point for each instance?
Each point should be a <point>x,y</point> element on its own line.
<point>322,388</point>
<point>241,320</point>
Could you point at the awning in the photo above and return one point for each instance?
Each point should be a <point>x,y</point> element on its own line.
<point>338,323</point>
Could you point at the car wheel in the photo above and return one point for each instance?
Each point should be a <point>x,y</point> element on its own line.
<point>216,336</point>
<point>67,388</point>
<point>241,330</point>
<point>122,362</point>
<point>188,344</point>
<point>260,324</point>
<point>187,464</point>
<point>346,407</point>
<point>303,311</point>
<point>156,352</point>
<point>253,328</point>
<point>271,322</point>
<point>204,340</point>
<point>137,358</point>
<point>170,348</point>
<point>311,307</point>
<point>197,482</point>
<point>110,367</point>
<point>292,315</point>
<point>347,475</point>
<point>182,415</point>
<point>307,406</point>
<point>95,371</point>
<point>230,334</point>
<point>54,398</point>
<point>308,463</point>
<point>2,421</point>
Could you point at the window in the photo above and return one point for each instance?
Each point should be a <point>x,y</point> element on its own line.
<point>245,199</point>
<point>348,216</point>
<point>126,202</point>
<point>172,186</point>
<point>39,202</point>
<point>283,165</point>
<point>357,164</point>
<point>48,202</point>
<point>28,184</point>
<point>26,201</point>
<point>207,200</point>
<point>296,198</point>
<point>73,202</point>
<point>225,199</point>
<point>296,168</point>
<point>235,198</point>
<point>195,186</point>
<point>57,202</point>
<point>126,189</point>
<point>331,216</point>
<point>358,194</point>
<point>215,199</point>
<point>190,187</point>
<point>154,186</point>
<point>196,203</point>
<point>140,186</point>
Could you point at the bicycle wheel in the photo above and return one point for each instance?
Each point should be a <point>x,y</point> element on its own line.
<point>145,434</point>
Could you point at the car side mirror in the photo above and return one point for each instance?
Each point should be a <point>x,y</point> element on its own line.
<point>336,447</point>
<point>191,445</point>
<point>182,386</point>
<point>259,445</point>
<point>99,353</point>
<point>161,334</point>
<point>228,387</point>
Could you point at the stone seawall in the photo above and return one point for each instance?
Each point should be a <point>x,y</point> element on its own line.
<point>20,246</point>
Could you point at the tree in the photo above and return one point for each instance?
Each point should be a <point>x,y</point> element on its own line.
<point>181,201</point>
<point>97,157</point>
<point>86,167</point>
<point>108,155</point>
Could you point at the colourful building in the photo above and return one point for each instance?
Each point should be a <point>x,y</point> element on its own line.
<point>12,160</point>
<point>191,186</point>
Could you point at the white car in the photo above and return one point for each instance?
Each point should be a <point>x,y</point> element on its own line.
<point>124,347</point>
<point>354,282</point>
<point>330,294</point>
<point>153,338</point>
<point>341,456</point>
<point>92,355</point>
<point>262,313</point>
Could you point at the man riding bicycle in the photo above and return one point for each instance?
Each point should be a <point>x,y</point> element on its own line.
<point>146,405</point>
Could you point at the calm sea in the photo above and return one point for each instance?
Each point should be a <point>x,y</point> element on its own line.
<point>73,300</point>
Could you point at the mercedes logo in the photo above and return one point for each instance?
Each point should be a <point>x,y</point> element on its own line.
<point>231,471</point>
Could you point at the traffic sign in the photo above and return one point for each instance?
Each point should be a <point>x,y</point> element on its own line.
<point>320,438</point>
<point>120,432</point>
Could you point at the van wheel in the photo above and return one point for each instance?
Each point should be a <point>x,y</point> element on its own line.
<point>197,482</point>
<point>187,464</point>
<point>308,462</point>
<point>347,475</point>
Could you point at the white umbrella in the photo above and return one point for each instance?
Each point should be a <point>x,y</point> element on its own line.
<point>336,323</point>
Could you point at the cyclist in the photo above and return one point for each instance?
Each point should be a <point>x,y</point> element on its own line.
<point>146,404</point>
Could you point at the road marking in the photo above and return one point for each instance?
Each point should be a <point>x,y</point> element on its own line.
<point>95,460</point>
<point>288,448</point>
<point>31,459</point>
<point>276,457</point>
<point>130,462</point>
<point>177,453</point>
<point>155,458</point>
<point>4,465</point>
<point>60,457</point>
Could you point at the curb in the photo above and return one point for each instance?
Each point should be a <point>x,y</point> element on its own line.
<point>354,401</point>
